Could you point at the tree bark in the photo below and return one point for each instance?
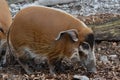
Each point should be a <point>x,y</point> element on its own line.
<point>108,31</point>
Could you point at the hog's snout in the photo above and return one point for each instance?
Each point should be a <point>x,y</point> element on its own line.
<point>91,67</point>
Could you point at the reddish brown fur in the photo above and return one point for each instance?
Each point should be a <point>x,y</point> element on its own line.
<point>37,27</point>
<point>5,18</point>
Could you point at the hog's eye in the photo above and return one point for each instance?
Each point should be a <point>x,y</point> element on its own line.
<point>1,30</point>
<point>85,45</point>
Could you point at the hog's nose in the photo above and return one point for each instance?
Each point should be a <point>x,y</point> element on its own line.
<point>91,67</point>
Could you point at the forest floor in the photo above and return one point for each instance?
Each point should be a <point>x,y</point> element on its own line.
<point>107,53</point>
<point>108,67</point>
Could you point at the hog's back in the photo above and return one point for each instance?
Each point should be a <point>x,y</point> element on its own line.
<point>37,27</point>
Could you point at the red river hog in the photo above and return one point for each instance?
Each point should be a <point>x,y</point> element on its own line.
<point>42,31</point>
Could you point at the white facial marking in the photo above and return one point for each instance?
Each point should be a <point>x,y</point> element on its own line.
<point>89,52</point>
<point>93,56</point>
<point>75,55</point>
<point>85,51</point>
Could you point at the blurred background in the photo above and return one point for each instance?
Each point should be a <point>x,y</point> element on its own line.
<point>95,13</point>
<point>75,7</point>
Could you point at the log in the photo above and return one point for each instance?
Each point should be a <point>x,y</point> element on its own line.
<point>108,31</point>
<point>105,26</point>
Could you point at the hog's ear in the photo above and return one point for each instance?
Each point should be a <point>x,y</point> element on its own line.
<point>73,33</point>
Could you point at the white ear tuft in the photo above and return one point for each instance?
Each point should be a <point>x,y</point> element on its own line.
<point>73,33</point>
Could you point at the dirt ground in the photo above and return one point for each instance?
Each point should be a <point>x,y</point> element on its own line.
<point>108,67</point>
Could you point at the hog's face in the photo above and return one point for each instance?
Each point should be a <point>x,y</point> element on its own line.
<point>85,49</point>
<point>86,52</point>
